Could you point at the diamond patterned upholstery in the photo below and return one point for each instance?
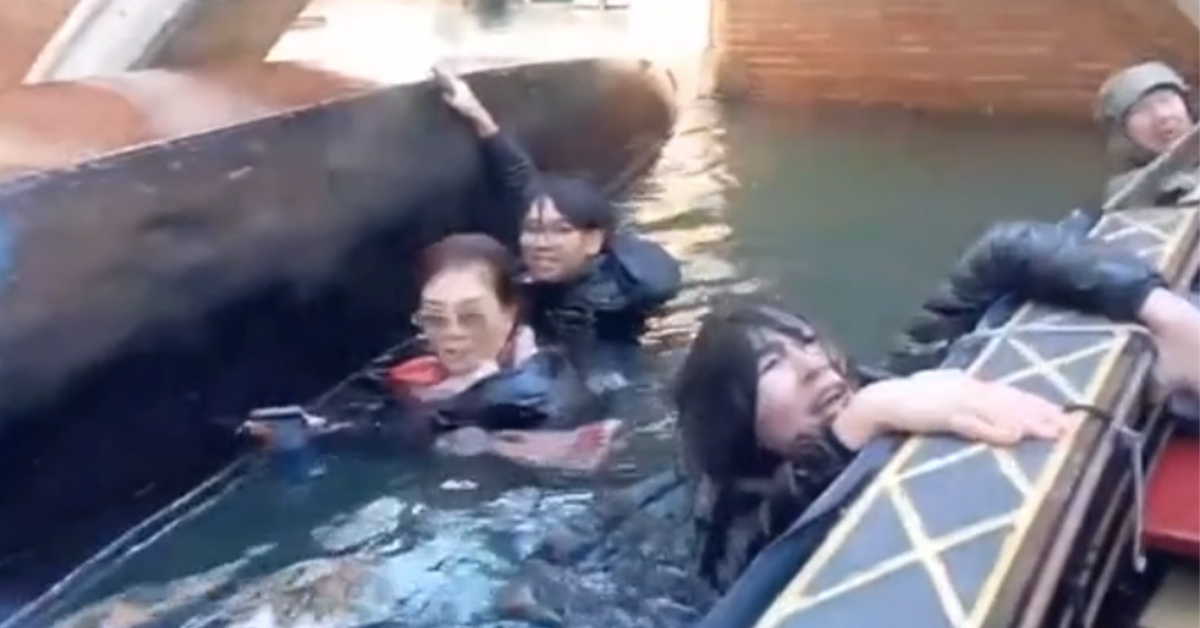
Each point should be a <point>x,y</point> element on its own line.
<point>933,539</point>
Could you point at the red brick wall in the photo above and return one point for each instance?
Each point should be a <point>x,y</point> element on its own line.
<point>1007,56</point>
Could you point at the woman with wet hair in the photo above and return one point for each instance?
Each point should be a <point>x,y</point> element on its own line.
<point>771,411</point>
<point>473,382</point>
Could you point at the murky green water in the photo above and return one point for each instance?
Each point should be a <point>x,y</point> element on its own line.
<point>850,216</point>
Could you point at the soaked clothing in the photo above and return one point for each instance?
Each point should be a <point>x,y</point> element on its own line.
<point>609,303</point>
<point>1117,97</point>
<point>1019,262</point>
<point>736,521</point>
<point>625,284</point>
<point>1027,261</point>
<point>1024,261</point>
<point>370,411</point>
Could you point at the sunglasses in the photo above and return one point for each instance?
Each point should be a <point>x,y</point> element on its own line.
<point>438,322</point>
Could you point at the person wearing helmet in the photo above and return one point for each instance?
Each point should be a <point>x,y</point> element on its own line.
<point>1144,110</point>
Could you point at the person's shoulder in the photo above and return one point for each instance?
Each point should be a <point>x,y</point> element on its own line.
<point>633,249</point>
<point>644,262</point>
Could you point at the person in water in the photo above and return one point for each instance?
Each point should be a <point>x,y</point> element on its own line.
<point>583,278</point>
<point>1144,110</point>
<point>475,382</point>
<point>771,411</point>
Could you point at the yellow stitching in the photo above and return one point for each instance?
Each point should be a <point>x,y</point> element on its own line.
<point>1012,470</point>
<point>1049,368</point>
<point>1042,486</point>
<point>895,563</point>
<point>924,549</point>
<point>933,464</point>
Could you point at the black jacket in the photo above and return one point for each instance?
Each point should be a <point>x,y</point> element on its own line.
<point>623,286</point>
<point>371,417</point>
<point>1015,262</point>
<point>1041,262</point>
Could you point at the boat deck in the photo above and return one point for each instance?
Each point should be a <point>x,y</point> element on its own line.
<point>1176,604</point>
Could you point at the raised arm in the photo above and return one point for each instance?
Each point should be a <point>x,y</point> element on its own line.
<point>1023,261</point>
<point>1049,264</point>
<point>510,172</point>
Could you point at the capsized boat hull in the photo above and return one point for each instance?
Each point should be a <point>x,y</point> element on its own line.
<point>152,291</point>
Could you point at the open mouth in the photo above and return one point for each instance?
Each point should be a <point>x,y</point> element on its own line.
<point>453,353</point>
<point>1171,131</point>
<point>832,399</point>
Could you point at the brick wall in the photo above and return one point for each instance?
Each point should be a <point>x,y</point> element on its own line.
<point>1006,56</point>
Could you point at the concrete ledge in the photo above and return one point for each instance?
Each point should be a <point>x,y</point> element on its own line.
<point>103,37</point>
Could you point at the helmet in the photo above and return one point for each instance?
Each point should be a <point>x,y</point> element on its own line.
<point>1119,94</point>
<point>1122,90</point>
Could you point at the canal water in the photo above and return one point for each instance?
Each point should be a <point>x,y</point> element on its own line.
<point>848,215</point>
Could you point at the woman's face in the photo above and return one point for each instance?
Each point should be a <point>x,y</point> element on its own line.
<point>800,388</point>
<point>1157,120</point>
<point>551,247</point>
<point>463,318</point>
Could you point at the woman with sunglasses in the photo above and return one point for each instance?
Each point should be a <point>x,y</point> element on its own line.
<point>473,383</point>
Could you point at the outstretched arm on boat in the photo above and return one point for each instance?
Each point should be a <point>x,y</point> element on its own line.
<point>1175,325</point>
<point>948,402</point>
<point>1044,263</point>
<point>1053,265</point>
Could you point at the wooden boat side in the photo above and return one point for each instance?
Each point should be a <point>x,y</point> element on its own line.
<point>910,547</point>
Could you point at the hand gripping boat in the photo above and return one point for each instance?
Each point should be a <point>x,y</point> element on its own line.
<point>951,534</point>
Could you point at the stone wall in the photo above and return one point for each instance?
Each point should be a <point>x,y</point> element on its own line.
<point>1003,56</point>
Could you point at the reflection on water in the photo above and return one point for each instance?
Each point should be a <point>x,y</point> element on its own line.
<point>851,216</point>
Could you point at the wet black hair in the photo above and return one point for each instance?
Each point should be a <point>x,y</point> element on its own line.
<point>467,249</point>
<point>716,389</point>
<point>581,202</point>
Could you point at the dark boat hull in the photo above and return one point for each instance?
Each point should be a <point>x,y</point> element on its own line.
<point>156,290</point>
